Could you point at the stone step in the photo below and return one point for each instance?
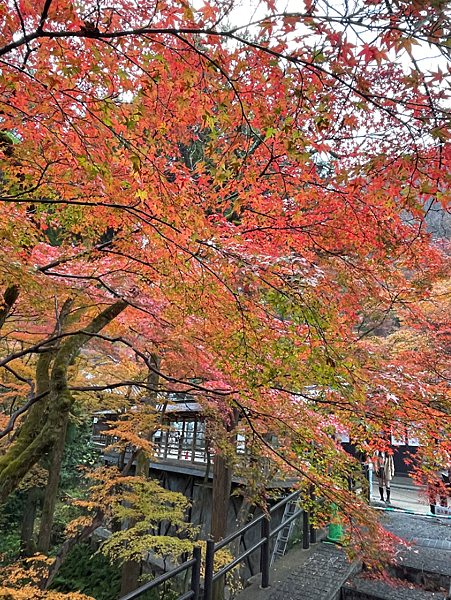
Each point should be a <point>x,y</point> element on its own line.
<point>423,565</point>
<point>321,577</point>
<point>360,588</point>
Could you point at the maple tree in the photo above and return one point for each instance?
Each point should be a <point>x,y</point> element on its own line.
<point>233,199</point>
<point>419,351</point>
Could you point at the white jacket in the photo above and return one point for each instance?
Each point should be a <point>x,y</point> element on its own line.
<point>385,460</point>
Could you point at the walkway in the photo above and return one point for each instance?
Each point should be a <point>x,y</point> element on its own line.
<point>319,578</point>
<point>321,572</point>
<point>314,574</point>
<point>404,494</point>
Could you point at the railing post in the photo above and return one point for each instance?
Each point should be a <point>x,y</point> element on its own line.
<point>312,529</point>
<point>265,553</point>
<point>306,529</point>
<point>367,473</point>
<point>195,573</point>
<point>209,560</point>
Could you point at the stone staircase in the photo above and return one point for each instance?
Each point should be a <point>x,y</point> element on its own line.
<point>422,573</point>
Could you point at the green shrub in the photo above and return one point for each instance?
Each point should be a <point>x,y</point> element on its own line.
<point>87,573</point>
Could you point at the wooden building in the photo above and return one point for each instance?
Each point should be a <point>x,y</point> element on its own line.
<point>181,437</point>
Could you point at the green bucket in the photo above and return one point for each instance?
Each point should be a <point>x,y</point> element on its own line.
<point>335,529</point>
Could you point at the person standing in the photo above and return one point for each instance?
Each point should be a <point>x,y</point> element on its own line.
<point>441,487</point>
<point>385,470</point>
<point>445,474</point>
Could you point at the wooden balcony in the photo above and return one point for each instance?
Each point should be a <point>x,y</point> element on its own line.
<point>180,446</point>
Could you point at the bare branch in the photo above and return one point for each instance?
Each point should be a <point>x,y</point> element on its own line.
<point>20,411</point>
<point>30,382</point>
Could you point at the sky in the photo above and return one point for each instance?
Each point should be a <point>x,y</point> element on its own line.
<point>247,11</point>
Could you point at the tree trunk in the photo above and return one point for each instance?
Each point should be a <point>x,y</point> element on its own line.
<point>33,423</point>
<point>131,570</point>
<point>51,491</point>
<point>9,298</point>
<point>222,483</point>
<point>26,535</point>
<point>121,461</point>
<point>88,529</point>
<point>240,521</point>
<point>203,531</point>
<point>33,442</point>
<point>234,547</point>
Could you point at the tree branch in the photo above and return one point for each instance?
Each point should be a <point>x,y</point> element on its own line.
<point>44,15</point>
<point>9,298</point>
<point>20,411</point>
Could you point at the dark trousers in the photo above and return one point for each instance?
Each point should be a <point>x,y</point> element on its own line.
<point>438,489</point>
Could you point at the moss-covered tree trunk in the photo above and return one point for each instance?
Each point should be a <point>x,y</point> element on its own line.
<point>38,435</point>
<point>51,491</point>
<point>27,547</point>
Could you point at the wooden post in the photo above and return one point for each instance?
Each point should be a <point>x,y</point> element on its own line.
<point>193,446</point>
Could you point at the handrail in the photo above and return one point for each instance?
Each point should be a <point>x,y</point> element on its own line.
<point>243,529</point>
<point>159,580</point>
<point>210,578</point>
<point>284,523</point>
<point>263,543</point>
<point>193,562</point>
<point>287,499</point>
<point>229,566</point>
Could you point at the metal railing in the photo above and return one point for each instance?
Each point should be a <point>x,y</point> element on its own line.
<point>193,593</point>
<point>263,543</point>
<point>309,536</point>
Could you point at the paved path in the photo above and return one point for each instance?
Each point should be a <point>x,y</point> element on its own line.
<point>404,494</point>
<point>319,578</point>
<point>321,573</point>
<point>412,528</point>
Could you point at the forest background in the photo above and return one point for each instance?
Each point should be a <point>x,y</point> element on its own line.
<point>234,212</point>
